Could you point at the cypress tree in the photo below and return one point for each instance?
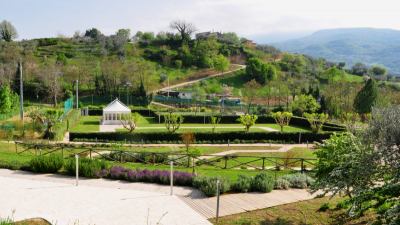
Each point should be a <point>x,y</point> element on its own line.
<point>366,97</point>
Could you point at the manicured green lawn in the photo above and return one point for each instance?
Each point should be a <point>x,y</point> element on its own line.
<point>87,124</point>
<point>150,124</point>
<point>273,159</point>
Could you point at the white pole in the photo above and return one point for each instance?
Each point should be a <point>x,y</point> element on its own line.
<point>77,94</point>
<point>172,177</point>
<point>217,213</point>
<point>76,169</point>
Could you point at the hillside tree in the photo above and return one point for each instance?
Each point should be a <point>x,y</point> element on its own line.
<point>185,29</point>
<point>221,63</point>
<point>366,97</point>
<point>7,31</point>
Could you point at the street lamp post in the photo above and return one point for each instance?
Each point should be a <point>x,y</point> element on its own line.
<point>77,94</point>
<point>127,84</point>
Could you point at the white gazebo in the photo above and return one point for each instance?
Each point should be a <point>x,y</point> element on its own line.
<point>114,112</point>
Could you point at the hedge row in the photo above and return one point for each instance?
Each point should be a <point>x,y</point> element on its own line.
<point>200,137</point>
<point>143,112</point>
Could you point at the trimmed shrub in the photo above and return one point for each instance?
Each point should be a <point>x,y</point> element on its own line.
<point>208,185</point>
<point>263,182</point>
<point>243,183</point>
<point>298,180</point>
<point>282,184</point>
<point>87,167</point>
<point>46,164</point>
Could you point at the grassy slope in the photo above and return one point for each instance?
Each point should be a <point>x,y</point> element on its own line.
<point>305,212</point>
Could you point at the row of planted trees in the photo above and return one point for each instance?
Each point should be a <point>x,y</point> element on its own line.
<point>173,121</point>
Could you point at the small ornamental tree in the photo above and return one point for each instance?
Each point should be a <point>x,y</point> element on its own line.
<point>214,120</point>
<point>173,122</point>
<point>188,138</point>
<point>129,121</point>
<point>47,119</point>
<point>282,118</point>
<point>316,120</point>
<point>248,121</point>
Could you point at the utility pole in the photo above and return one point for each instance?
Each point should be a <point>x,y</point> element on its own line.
<point>168,86</point>
<point>21,92</point>
<point>77,95</point>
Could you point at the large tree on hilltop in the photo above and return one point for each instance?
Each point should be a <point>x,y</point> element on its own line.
<point>7,31</point>
<point>184,28</point>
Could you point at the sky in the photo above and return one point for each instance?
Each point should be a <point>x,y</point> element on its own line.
<point>248,18</point>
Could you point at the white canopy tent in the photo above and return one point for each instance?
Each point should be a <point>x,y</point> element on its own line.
<point>114,112</point>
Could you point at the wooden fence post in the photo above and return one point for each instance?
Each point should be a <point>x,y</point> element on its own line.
<point>263,163</point>
<point>226,162</point>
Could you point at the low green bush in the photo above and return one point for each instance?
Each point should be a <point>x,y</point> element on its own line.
<point>46,164</point>
<point>242,184</point>
<point>324,207</point>
<point>87,167</point>
<point>208,185</point>
<point>282,184</point>
<point>298,180</point>
<point>14,165</point>
<point>263,182</point>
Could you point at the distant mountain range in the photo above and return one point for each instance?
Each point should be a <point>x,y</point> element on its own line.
<point>350,45</point>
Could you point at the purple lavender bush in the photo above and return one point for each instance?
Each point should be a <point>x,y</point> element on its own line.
<point>148,176</point>
<point>118,172</point>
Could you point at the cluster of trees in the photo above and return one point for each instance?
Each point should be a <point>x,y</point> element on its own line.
<point>181,50</point>
<point>363,70</point>
<point>365,167</point>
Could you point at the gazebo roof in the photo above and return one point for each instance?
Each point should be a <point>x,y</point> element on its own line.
<point>116,106</point>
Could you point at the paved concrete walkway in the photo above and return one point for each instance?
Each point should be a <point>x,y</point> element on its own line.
<point>283,148</point>
<point>101,201</point>
<point>92,202</point>
<point>109,128</point>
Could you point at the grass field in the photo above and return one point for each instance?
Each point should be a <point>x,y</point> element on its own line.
<point>299,213</point>
<point>87,124</point>
<point>149,124</point>
<point>273,159</point>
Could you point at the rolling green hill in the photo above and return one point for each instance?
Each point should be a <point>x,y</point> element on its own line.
<point>367,45</point>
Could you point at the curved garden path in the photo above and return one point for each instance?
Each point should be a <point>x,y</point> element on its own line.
<point>102,201</point>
